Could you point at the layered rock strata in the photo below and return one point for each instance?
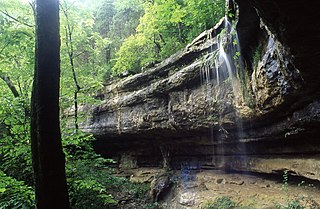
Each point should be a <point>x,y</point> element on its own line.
<point>267,121</point>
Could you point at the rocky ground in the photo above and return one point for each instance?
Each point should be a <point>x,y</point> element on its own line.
<point>191,189</point>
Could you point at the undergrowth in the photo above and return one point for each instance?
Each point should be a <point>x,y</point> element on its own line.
<point>14,193</point>
<point>90,182</point>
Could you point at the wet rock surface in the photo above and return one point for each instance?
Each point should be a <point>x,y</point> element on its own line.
<point>292,24</point>
<point>270,114</point>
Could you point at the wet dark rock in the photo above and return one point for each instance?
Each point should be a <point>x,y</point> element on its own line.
<point>293,23</point>
<point>275,76</point>
<point>160,186</point>
<point>236,182</point>
<point>220,181</point>
<point>271,114</point>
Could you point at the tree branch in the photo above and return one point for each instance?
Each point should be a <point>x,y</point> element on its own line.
<point>9,83</point>
<point>15,19</point>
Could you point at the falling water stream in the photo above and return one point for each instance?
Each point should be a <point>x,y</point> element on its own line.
<point>220,76</point>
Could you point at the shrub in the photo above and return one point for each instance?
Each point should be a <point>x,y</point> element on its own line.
<point>220,203</point>
<point>14,193</point>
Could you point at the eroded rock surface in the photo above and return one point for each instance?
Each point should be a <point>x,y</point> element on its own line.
<point>271,113</point>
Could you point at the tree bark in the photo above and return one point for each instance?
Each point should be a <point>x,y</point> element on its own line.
<point>47,155</point>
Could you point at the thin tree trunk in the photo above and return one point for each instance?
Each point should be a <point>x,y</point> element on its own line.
<point>74,75</point>
<point>76,126</point>
<point>47,155</point>
<point>69,43</point>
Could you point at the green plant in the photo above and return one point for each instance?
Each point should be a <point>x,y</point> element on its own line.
<point>88,176</point>
<point>89,193</point>
<point>246,207</point>
<point>15,149</point>
<point>208,205</point>
<point>154,205</point>
<point>86,185</point>
<point>290,203</point>
<point>220,203</point>
<point>285,180</point>
<point>85,173</point>
<point>15,194</point>
<point>165,27</point>
<point>294,204</point>
<point>256,57</point>
<point>224,203</point>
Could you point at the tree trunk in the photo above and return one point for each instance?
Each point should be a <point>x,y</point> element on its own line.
<point>69,43</point>
<point>47,155</point>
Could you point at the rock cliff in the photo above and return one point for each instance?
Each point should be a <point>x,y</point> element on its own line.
<point>191,108</point>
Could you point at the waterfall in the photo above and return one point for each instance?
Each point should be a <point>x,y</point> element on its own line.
<point>223,65</point>
<point>221,78</point>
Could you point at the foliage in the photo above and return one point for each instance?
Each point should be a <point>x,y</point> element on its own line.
<point>16,49</point>
<point>88,188</point>
<point>89,177</point>
<point>153,30</point>
<point>166,27</point>
<point>130,62</point>
<point>14,193</point>
<point>256,57</point>
<point>117,20</point>
<point>87,52</point>
<point>294,204</point>
<point>17,44</point>
<point>285,181</point>
<point>202,15</point>
<point>154,205</point>
<point>15,151</point>
<point>208,205</point>
<point>291,204</point>
<point>224,203</point>
<point>16,64</point>
<point>83,182</point>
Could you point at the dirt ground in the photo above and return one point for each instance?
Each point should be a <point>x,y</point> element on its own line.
<point>195,188</point>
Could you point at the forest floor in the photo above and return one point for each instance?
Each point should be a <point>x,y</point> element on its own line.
<point>199,188</point>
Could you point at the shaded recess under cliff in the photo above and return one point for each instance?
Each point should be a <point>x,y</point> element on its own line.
<point>178,112</point>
